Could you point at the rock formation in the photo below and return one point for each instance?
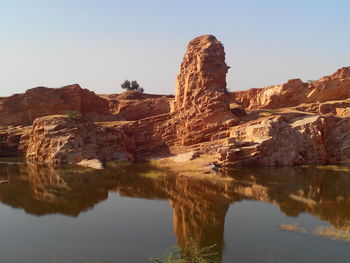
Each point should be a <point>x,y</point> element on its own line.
<point>14,140</point>
<point>314,131</point>
<point>200,111</point>
<point>61,139</point>
<point>289,124</point>
<point>201,102</point>
<point>23,109</point>
<point>133,105</point>
<point>296,92</point>
<point>18,112</point>
<point>278,141</point>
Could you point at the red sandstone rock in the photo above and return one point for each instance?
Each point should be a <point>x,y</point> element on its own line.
<point>59,139</point>
<point>131,105</point>
<point>22,109</point>
<point>202,120</point>
<point>202,72</point>
<point>295,92</point>
<point>201,111</point>
<point>201,103</point>
<point>334,87</point>
<point>289,94</point>
<point>137,110</point>
<point>14,141</point>
<point>136,95</point>
<point>289,140</point>
<point>277,140</point>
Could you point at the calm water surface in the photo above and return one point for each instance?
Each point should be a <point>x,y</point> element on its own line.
<point>129,213</point>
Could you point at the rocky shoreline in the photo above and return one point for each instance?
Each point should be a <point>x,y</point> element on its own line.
<point>295,123</point>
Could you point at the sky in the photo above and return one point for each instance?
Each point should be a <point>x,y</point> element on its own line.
<point>100,43</point>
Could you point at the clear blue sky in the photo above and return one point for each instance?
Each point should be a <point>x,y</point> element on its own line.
<point>100,43</point>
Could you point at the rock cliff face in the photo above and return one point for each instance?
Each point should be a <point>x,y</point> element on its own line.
<point>23,109</point>
<point>14,141</point>
<point>334,87</point>
<point>314,131</point>
<point>289,137</point>
<point>59,139</point>
<point>295,92</point>
<point>289,94</point>
<point>133,105</point>
<point>278,140</point>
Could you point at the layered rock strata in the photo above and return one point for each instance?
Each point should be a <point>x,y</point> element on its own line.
<point>14,140</point>
<point>201,102</point>
<point>295,92</point>
<point>23,109</point>
<point>287,140</point>
<point>60,139</point>
<point>133,105</point>
<point>290,124</point>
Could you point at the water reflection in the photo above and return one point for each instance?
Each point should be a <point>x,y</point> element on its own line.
<point>323,192</point>
<point>199,206</point>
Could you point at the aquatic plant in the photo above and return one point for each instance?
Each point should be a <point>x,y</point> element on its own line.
<point>190,253</point>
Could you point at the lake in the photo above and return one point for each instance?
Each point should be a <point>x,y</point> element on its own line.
<point>132,212</point>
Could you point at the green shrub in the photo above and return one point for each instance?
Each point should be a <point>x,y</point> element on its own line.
<point>71,113</point>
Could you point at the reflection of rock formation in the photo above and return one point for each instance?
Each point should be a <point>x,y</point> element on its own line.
<point>323,193</point>
<point>199,205</point>
<point>199,212</point>
<point>42,190</point>
<point>47,184</point>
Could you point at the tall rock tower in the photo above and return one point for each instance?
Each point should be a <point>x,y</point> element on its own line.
<point>201,103</point>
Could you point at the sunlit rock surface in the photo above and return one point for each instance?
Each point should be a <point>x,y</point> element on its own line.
<point>133,105</point>
<point>295,92</point>
<point>62,139</point>
<point>201,103</point>
<point>290,124</point>
<point>22,109</point>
